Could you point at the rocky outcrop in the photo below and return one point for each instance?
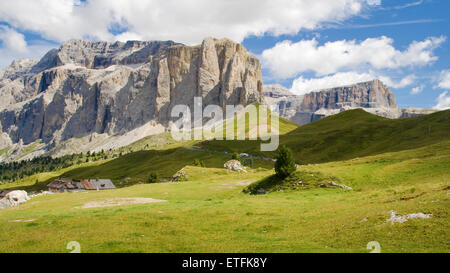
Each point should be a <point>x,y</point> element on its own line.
<point>86,88</point>
<point>235,166</point>
<point>373,96</point>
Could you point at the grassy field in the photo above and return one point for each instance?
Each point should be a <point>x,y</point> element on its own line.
<point>408,172</point>
<point>210,213</point>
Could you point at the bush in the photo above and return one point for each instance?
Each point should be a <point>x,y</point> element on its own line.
<point>153,178</point>
<point>235,156</point>
<point>285,164</point>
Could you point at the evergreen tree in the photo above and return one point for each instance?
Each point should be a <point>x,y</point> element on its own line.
<point>285,164</point>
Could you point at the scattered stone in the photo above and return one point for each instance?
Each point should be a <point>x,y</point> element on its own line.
<point>364,220</point>
<point>341,186</point>
<point>234,165</point>
<point>179,176</point>
<point>403,218</point>
<point>261,191</point>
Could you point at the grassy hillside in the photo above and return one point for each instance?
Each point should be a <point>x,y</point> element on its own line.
<point>131,168</point>
<point>351,134</point>
<point>137,167</point>
<point>210,213</point>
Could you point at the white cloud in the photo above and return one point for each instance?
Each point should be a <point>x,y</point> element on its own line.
<point>15,47</point>
<point>13,40</point>
<point>302,86</point>
<point>403,82</point>
<point>287,59</point>
<point>416,90</point>
<point>409,5</point>
<point>444,79</point>
<point>373,2</point>
<point>443,101</point>
<point>187,21</point>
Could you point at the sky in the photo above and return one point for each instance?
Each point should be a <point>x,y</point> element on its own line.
<point>303,45</point>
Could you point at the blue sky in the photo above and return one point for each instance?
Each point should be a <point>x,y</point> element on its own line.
<point>404,22</point>
<point>303,45</point>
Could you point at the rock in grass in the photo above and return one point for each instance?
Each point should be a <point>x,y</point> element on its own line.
<point>180,176</point>
<point>13,199</point>
<point>341,186</point>
<point>403,218</point>
<point>234,165</point>
<point>261,191</point>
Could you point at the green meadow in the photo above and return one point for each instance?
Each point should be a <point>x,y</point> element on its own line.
<point>401,165</point>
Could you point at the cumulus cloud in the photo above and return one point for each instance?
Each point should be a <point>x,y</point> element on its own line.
<point>182,21</point>
<point>403,82</point>
<point>416,90</point>
<point>444,79</point>
<point>301,86</point>
<point>14,47</point>
<point>12,40</point>
<point>287,59</point>
<point>443,101</point>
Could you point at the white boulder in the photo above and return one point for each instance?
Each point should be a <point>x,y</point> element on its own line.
<point>234,165</point>
<point>13,199</point>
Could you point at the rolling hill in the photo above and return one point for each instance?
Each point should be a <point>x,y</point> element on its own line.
<point>350,134</point>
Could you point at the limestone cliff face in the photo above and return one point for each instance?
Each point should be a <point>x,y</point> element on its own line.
<point>373,96</point>
<point>113,88</point>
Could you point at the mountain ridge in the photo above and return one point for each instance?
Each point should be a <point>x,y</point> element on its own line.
<point>87,88</point>
<point>372,96</point>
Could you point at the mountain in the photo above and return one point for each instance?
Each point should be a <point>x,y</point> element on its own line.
<point>372,96</point>
<point>116,93</point>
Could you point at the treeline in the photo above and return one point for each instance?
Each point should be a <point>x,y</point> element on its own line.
<point>10,172</point>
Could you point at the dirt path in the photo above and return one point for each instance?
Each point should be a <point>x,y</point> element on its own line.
<point>119,202</point>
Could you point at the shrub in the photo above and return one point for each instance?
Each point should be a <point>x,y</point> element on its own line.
<point>285,164</point>
<point>235,156</point>
<point>153,178</point>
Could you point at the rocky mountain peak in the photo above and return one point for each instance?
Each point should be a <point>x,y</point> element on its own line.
<point>99,55</point>
<point>17,68</point>
<point>117,89</point>
<point>373,96</point>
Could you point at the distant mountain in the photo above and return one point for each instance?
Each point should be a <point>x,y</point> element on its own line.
<point>372,96</point>
<point>100,95</point>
